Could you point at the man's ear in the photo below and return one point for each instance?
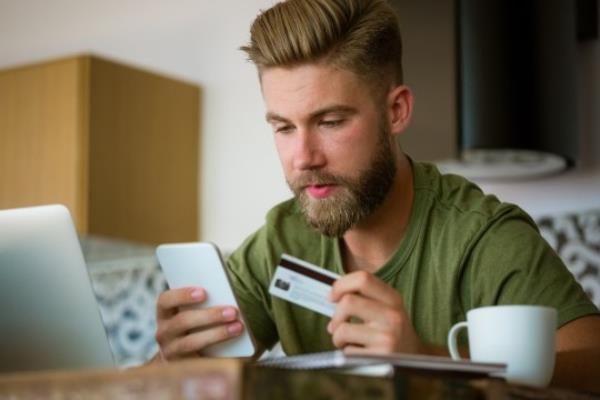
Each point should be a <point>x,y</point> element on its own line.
<point>400,106</point>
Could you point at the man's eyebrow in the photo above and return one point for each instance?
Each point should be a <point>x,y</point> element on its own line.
<point>274,117</point>
<point>342,109</point>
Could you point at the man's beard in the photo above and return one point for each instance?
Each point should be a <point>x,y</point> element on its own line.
<point>354,199</point>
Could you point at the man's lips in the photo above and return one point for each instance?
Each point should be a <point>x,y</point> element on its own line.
<point>320,191</point>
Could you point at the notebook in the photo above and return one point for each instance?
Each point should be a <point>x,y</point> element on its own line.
<point>339,360</point>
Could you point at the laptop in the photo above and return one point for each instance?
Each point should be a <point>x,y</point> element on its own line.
<point>49,316</point>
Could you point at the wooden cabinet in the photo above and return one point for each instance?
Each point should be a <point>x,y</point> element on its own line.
<point>117,145</point>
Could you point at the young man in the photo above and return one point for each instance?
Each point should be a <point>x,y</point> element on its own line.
<point>416,249</point>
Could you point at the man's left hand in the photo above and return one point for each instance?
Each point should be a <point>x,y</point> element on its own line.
<point>384,325</point>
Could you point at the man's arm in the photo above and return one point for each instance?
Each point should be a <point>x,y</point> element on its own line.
<point>578,354</point>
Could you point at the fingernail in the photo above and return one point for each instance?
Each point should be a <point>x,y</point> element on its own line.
<point>229,313</point>
<point>197,294</point>
<point>235,328</point>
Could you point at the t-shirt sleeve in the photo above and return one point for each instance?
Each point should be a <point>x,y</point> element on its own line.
<point>248,270</point>
<point>511,263</point>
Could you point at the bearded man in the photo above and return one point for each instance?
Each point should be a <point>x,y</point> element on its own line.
<point>416,249</point>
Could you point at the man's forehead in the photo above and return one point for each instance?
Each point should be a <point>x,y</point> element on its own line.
<point>310,89</point>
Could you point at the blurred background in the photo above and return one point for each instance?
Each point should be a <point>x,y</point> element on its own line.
<point>239,176</point>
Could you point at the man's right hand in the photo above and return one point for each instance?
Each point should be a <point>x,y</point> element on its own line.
<point>183,332</point>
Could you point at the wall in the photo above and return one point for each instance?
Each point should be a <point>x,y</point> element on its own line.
<point>429,70</point>
<point>197,40</point>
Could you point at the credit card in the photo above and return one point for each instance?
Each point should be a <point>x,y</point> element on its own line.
<point>304,284</point>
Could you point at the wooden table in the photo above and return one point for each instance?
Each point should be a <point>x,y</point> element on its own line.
<point>235,379</point>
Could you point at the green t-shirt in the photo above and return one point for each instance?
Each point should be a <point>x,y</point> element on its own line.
<point>462,250</point>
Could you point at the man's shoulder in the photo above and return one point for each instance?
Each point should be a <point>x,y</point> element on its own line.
<point>457,195</point>
<point>460,207</point>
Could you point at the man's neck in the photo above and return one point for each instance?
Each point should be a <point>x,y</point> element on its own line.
<point>370,244</point>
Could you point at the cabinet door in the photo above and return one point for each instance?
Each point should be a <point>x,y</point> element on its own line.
<point>42,157</point>
<point>143,154</point>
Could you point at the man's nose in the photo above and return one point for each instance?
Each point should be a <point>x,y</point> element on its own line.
<point>308,153</point>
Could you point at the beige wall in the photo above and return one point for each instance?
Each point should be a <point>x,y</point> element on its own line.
<point>196,40</point>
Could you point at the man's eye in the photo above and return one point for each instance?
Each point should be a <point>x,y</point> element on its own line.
<point>283,129</point>
<point>331,123</point>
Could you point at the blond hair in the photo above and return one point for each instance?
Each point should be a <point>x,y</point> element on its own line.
<point>362,36</point>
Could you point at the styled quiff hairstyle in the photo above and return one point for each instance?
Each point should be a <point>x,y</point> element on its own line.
<point>362,36</point>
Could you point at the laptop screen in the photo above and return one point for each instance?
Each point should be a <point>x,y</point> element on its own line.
<point>49,314</point>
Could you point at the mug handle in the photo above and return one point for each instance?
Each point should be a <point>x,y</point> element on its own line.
<point>452,347</point>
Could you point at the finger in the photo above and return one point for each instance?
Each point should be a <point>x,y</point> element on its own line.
<point>367,285</point>
<point>193,319</point>
<point>349,334</point>
<point>363,350</point>
<point>351,349</point>
<point>171,299</point>
<point>189,345</point>
<point>367,310</point>
<point>365,337</point>
<point>345,310</point>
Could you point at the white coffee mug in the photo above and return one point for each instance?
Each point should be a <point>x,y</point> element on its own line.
<point>520,336</point>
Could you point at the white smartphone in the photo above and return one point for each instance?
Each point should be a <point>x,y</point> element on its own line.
<point>201,264</point>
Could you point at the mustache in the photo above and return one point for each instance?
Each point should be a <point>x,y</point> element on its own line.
<point>316,178</point>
